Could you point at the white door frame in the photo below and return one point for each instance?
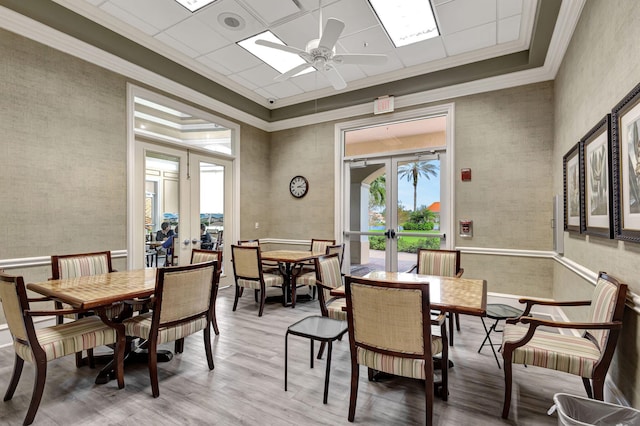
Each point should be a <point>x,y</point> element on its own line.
<point>341,202</point>
<point>135,184</point>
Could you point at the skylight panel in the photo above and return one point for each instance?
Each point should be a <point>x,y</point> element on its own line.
<point>194,5</point>
<point>407,21</point>
<point>279,60</point>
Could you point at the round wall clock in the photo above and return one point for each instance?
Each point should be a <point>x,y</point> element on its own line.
<point>299,186</point>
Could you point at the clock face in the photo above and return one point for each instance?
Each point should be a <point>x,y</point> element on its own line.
<point>299,186</point>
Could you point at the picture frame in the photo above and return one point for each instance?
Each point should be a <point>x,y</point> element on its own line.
<point>625,132</point>
<point>573,175</point>
<point>598,180</point>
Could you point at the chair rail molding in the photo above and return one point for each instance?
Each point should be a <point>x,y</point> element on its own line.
<point>28,262</point>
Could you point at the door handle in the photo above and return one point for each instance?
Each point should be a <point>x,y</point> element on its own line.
<point>393,233</point>
<point>390,234</point>
<point>194,241</point>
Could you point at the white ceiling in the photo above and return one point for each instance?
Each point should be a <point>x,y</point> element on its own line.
<point>471,30</point>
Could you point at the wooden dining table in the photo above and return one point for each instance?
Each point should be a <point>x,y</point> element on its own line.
<point>449,294</point>
<point>97,292</point>
<point>291,264</point>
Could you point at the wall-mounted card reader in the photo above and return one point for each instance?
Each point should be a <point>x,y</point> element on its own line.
<point>466,228</point>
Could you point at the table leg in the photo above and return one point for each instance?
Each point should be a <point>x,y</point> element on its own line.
<point>488,337</point>
<point>311,353</point>
<point>326,374</point>
<point>286,350</point>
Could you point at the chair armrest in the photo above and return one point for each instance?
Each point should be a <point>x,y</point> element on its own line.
<point>440,319</point>
<point>534,323</point>
<point>413,268</point>
<point>531,302</point>
<point>39,299</point>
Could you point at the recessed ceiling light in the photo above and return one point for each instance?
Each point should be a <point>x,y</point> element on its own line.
<point>194,5</point>
<point>406,22</point>
<point>281,61</point>
<point>231,21</point>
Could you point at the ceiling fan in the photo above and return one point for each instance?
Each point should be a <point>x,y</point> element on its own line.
<point>321,54</point>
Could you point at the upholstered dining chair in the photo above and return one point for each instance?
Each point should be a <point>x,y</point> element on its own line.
<point>248,273</point>
<point>39,346</point>
<point>183,301</point>
<point>78,265</point>
<point>320,246</point>
<point>83,264</point>
<point>444,263</point>
<point>199,256</point>
<point>390,331</point>
<point>308,277</point>
<point>329,276</point>
<point>587,356</point>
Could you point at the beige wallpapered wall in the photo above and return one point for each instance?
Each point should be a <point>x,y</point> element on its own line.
<point>600,67</point>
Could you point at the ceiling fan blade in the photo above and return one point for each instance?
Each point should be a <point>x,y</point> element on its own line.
<point>284,48</point>
<point>293,71</point>
<point>331,33</point>
<point>333,76</point>
<point>360,59</point>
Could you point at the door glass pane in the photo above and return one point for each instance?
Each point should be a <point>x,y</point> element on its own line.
<point>162,206</point>
<point>211,205</point>
<point>368,198</point>
<point>418,208</point>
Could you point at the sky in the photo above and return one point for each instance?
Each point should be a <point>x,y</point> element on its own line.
<point>428,192</point>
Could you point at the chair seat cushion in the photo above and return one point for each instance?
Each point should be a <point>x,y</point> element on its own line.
<point>140,326</point>
<point>398,366</point>
<point>270,280</point>
<point>567,353</point>
<point>65,339</point>
<point>335,309</point>
<point>306,279</point>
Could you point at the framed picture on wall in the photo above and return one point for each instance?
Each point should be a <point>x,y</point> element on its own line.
<point>625,131</point>
<point>573,192</point>
<point>598,187</point>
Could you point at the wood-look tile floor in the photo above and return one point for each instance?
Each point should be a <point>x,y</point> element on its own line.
<point>246,386</point>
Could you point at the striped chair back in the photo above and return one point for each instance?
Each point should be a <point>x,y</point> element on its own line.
<point>199,256</point>
<point>246,261</point>
<point>14,301</point>
<point>320,246</point>
<point>338,249</point>
<point>249,243</point>
<point>605,306</point>
<point>79,265</point>
<point>185,292</point>
<point>328,272</point>
<point>444,263</point>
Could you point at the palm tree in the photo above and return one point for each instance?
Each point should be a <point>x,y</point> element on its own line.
<point>378,192</point>
<point>412,171</point>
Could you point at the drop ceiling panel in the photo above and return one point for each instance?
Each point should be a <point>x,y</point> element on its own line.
<point>261,76</point>
<point>197,35</point>
<point>423,52</point>
<point>235,58</point>
<point>129,19</point>
<point>273,10</point>
<point>283,89</point>
<point>356,14</point>
<point>471,39</point>
<point>507,8</point>
<point>298,32</point>
<point>509,29</point>
<point>371,40</point>
<point>459,15</point>
<point>393,64</point>
<point>159,13</point>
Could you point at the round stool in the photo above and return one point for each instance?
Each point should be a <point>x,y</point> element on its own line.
<point>497,312</point>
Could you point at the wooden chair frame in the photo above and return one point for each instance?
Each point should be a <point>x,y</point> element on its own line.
<point>39,355</point>
<point>459,272</point>
<point>426,355</point>
<point>239,289</point>
<point>601,367</point>
<point>156,325</point>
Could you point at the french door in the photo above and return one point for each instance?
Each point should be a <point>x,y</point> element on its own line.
<point>184,189</point>
<point>393,206</point>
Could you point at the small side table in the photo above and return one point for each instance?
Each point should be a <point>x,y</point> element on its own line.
<point>319,328</point>
<point>497,312</point>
